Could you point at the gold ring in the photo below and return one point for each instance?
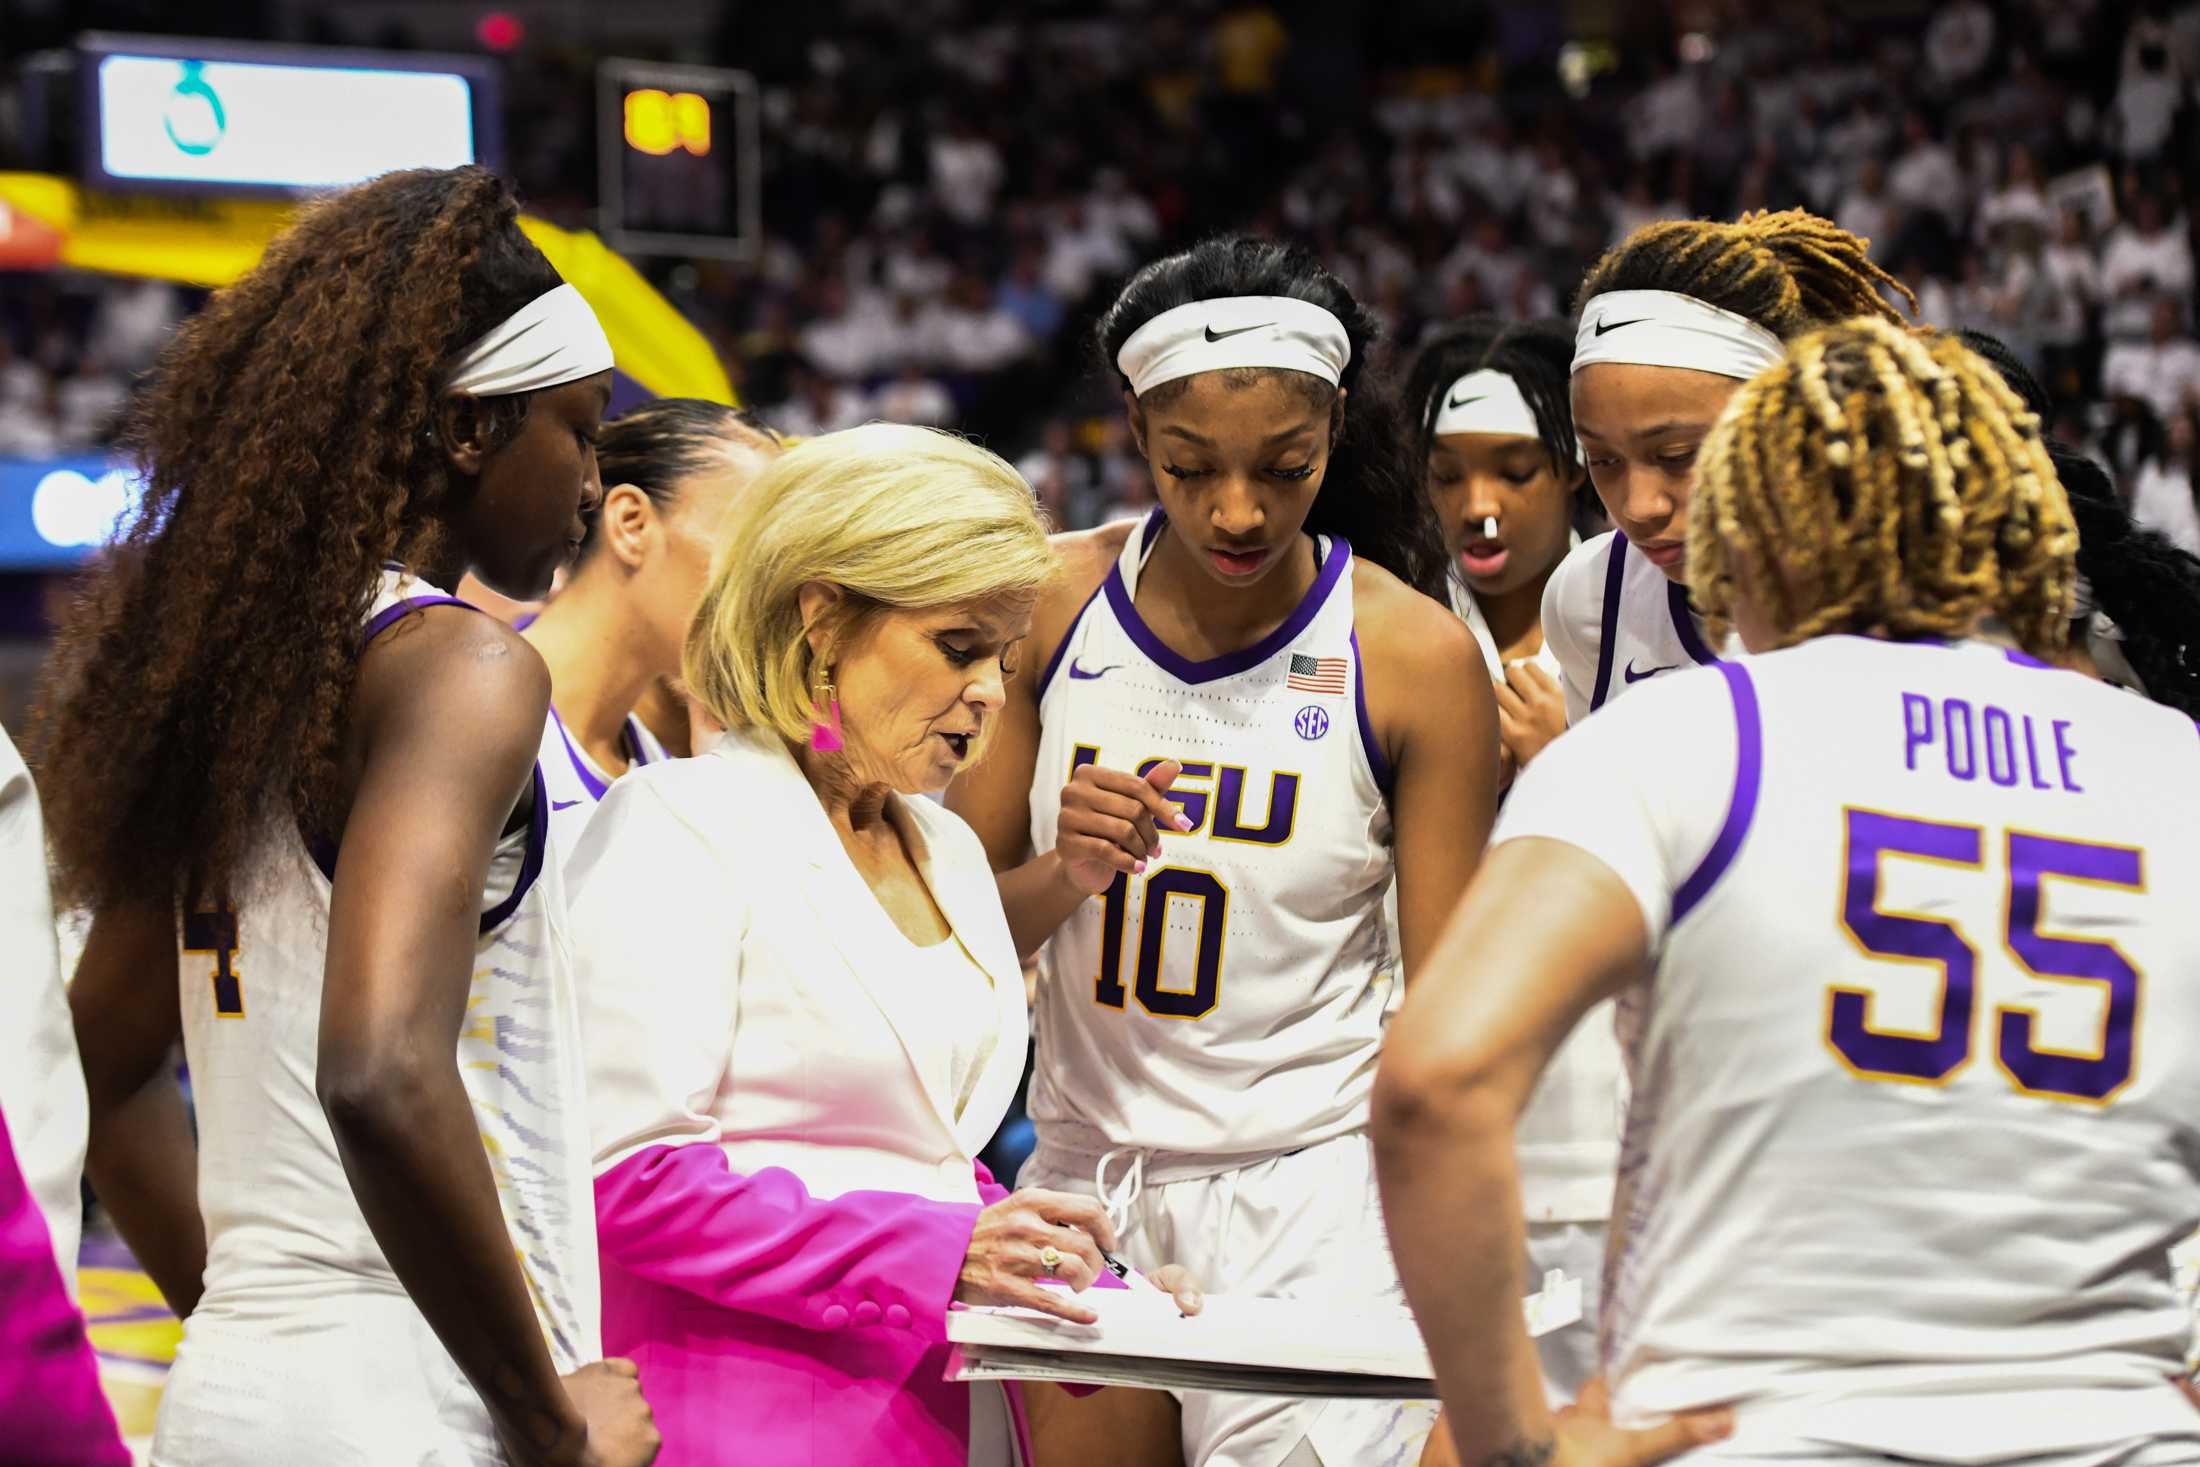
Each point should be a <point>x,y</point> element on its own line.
<point>1050,1259</point>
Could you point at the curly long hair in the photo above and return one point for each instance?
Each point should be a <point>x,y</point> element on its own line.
<point>1371,494</point>
<point>198,691</point>
<point>1887,482</point>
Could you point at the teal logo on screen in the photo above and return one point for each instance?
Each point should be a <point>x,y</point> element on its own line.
<point>194,118</point>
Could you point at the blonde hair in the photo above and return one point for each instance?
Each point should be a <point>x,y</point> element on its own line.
<point>1883,481</point>
<point>898,518</point>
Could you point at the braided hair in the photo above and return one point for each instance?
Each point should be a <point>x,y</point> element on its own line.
<point>1371,494</point>
<point>1788,271</point>
<point>2142,582</point>
<point>1887,482</point>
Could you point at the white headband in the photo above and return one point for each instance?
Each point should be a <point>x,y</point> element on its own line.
<point>1659,328</point>
<point>552,340</point>
<point>1235,331</point>
<point>1486,401</point>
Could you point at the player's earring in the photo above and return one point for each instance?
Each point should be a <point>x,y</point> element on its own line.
<point>825,737</point>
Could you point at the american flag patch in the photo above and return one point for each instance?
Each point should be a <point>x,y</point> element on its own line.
<point>1317,674</point>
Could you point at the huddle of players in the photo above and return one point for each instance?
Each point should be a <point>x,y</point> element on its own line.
<point>1289,685</point>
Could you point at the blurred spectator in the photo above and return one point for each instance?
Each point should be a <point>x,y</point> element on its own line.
<point>1668,115</point>
<point>1025,295</point>
<point>966,170</point>
<point>1120,212</point>
<point>1249,43</point>
<point>1958,43</point>
<point>1126,484</point>
<point>1866,211</point>
<point>851,340</point>
<point>1638,205</point>
<point>2163,371</point>
<point>2018,202</point>
<point>975,333</point>
<point>1062,478</point>
<point>88,405</point>
<point>821,404</point>
<point>2166,496</point>
<point>911,397</point>
<point>2141,260</point>
<point>1924,176</point>
<point>134,322</point>
<point>2149,90</point>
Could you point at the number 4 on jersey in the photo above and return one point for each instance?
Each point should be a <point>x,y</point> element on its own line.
<point>215,934</point>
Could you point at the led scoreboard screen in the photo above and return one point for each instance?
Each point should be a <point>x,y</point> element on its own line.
<point>678,157</point>
<point>179,114</point>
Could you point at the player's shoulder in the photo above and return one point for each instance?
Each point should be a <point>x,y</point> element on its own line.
<point>460,669</point>
<point>1396,623</point>
<point>1085,557</point>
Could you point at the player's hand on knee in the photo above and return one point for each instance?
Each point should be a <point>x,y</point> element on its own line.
<point>621,1431</point>
<point>1177,1280</point>
<point>1587,1437</point>
<point>1027,1245</point>
<point>1109,822</point>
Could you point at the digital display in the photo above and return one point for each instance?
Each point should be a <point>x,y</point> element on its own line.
<point>55,512</point>
<point>286,123</point>
<point>678,150</point>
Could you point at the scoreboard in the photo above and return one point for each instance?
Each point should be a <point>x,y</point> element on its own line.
<point>677,154</point>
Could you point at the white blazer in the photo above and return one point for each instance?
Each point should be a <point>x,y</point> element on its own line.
<point>741,986</point>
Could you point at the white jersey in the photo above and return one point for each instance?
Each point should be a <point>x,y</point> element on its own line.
<point>1612,619</point>
<point>41,1079</point>
<point>1230,1001</point>
<point>576,782</point>
<point>1916,1116</point>
<point>305,1346</point>
<point>1569,1134</point>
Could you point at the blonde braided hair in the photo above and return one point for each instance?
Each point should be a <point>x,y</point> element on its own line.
<point>1882,481</point>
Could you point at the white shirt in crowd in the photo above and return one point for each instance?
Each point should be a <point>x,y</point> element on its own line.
<point>2162,499</point>
<point>2163,375</point>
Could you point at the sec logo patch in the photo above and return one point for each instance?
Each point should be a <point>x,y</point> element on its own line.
<point>1311,723</point>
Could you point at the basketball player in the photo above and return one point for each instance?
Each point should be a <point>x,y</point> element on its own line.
<point>614,629</point>
<point>1499,458</point>
<point>267,718</point>
<point>1498,447</point>
<point>1913,1122</point>
<point>1672,320</point>
<point>1250,719</point>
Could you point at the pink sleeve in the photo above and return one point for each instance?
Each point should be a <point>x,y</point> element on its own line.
<point>50,1398</point>
<point>679,1216</point>
<point>989,1191</point>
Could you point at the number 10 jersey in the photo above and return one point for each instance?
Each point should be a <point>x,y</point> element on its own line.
<point>1228,1002</point>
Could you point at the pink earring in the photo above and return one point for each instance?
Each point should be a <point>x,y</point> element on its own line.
<point>825,737</point>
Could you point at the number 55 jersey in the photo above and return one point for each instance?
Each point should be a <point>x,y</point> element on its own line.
<point>1916,1111</point>
<point>1230,1000</point>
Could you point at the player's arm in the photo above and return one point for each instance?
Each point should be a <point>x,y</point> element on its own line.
<point>140,1156</point>
<point>1108,816</point>
<point>1430,701</point>
<point>450,708</point>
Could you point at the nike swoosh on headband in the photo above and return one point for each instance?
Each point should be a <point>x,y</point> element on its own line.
<point>1214,335</point>
<point>1604,326</point>
<point>1462,401</point>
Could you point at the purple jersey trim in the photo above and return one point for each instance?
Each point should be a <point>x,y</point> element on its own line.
<point>530,866</point>
<point>1684,625</point>
<point>525,620</point>
<point>389,615</point>
<point>1377,765</point>
<point>1054,663</point>
<point>1615,572</point>
<point>636,751</point>
<point>589,782</point>
<point>1742,807</point>
<point>2025,659</point>
<point>1230,664</point>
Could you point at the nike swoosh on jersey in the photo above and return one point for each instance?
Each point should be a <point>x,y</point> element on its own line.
<point>1459,402</point>
<point>1085,677</point>
<point>1636,677</point>
<point>563,804</point>
<point>1604,326</point>
<point>1214,335</point>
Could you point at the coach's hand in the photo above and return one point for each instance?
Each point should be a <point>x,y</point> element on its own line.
<point>1007,1255</point>
<point>1109,822</point>
<point>621,1431</point>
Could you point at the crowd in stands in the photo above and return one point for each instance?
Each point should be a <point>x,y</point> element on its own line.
<point>952,186</point>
